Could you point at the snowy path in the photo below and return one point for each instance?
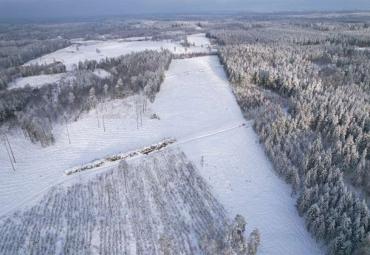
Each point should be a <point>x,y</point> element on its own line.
<point>191,103</point>
<point>234,162</point>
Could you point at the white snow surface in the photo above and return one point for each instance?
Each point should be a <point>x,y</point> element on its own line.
<point>98,50</point>
<point>198,40</point>
<point>197,108</point>
<point>363,48</point>
<point>101,73</point>
<point>36,81</point>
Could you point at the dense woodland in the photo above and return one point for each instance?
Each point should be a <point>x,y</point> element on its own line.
<point>307,86</point>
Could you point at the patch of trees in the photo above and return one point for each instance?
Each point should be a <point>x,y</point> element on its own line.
<point>10,74</point>
<point>332,212</point>
<point>36,109</point>
<point>37,69</point>
<point>311,106</point>
<point>14,53</point>
<point>134,72</point>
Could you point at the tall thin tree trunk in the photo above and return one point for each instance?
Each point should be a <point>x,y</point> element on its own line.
<point>24,133</point>
<point>69,138</point>
<point>97,117</point>
<point>143,103</point>
<point>43,139</point>
<point>10,147</point>
<point>141,116</point>
<point>103,123</point>
<point>137,110</point>
<point>10,158</point>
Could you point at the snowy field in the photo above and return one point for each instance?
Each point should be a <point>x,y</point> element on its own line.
<point>153,205</point>
<point>198,40</point>
<point>197,108</point>
<point>98,50</point>
<point>36,81</point>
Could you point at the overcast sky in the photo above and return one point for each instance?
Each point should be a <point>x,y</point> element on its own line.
<point>87,8</point>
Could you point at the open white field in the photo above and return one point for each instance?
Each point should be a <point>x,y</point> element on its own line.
<point>195,106</point>
<point>98,50</point>
<point>36,81</point>
<point>198,40</point>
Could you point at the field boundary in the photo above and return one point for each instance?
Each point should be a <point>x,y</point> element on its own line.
<point>121,156</point>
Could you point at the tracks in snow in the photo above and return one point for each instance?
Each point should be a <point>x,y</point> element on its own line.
<point>114,159</point>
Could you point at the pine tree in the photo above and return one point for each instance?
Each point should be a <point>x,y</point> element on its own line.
<point>253,242</point>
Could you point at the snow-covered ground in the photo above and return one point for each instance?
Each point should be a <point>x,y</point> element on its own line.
<point>154,205</point>
<point>98,50</point>
<point>363,48</point>
<point>243,181</point>
<point>197,108</point>
<point>198,40</point>
<point>101,73</point>
<point>36,81</point>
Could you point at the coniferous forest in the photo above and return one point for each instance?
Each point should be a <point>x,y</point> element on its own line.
<point>307,86</point>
